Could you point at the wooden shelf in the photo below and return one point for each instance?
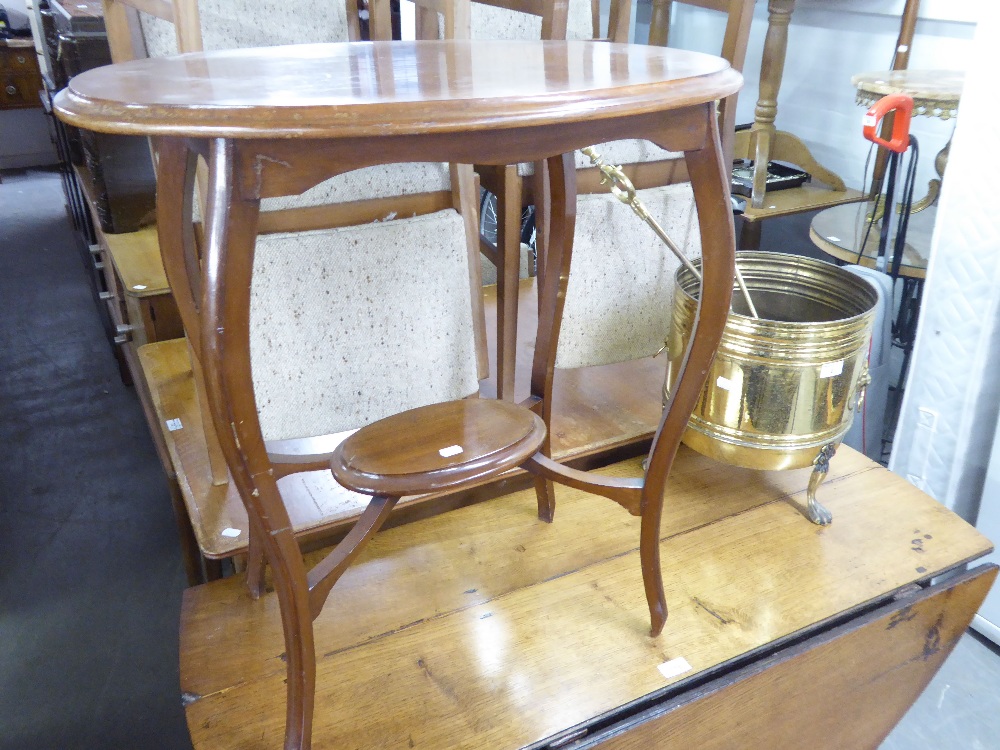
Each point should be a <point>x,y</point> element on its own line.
<point>824,191</point>
<point>136,257</point>
<point>799,200</point>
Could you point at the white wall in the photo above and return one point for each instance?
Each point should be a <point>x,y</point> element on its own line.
<point>951,403</point>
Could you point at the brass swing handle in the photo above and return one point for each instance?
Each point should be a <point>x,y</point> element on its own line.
<point>622,188</point>
<point>861,388</point>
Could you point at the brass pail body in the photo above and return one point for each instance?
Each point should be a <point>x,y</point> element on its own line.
<point>783,386</point>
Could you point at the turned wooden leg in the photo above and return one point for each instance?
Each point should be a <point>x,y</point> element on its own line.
<point>771,70</point>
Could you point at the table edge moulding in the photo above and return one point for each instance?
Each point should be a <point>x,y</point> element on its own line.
<point>124,99</point>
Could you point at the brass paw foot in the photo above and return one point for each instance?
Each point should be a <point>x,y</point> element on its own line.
<point>815,511</point>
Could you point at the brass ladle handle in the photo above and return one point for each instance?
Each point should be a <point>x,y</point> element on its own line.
<point>622,188</point>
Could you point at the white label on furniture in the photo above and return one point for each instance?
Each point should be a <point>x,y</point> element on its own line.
<point>674,667</point>
<point>724,383</point>
<point>231,533</point>
<point>831,369</point>
<point>174,424</point>
<point>451,450</point>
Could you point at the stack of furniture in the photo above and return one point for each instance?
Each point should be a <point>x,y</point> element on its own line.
<point>110,192</point>
<point>763,143</point>
<point>484,627</point>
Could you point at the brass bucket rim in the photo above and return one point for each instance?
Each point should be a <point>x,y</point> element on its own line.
<point>685,280</point>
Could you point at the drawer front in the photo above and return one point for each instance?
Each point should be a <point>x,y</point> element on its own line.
<point>20,91</point>
<point>843,688</point>
<point>18,60</point>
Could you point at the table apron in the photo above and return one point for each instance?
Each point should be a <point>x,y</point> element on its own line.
<point>266,168</point>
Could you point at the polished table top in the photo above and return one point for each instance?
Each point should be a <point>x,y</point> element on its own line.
<point>389,88</point>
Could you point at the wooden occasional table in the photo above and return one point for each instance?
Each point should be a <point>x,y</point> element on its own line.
<point>843,232</point>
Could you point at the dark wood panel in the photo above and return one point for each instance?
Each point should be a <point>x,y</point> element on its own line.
<point>846,688</point>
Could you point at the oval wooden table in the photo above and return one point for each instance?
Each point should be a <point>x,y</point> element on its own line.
<point>278,121</point>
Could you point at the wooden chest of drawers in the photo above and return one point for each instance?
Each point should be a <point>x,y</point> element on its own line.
<point>20,77</point>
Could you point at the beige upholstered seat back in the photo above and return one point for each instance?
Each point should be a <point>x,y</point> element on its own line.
<point>616,153</point>
<point>621,276</point>
<point>226,24</point>
<point>383,181</point>
<point>627,152</point>
<point>354,324</point>
<point>491,22</point>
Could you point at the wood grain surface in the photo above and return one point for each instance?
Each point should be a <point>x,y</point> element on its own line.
<point>136,256</point>
<point>438,446</point>
<point>433,637</point>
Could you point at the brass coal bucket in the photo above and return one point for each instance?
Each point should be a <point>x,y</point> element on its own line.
<point>784,388</point>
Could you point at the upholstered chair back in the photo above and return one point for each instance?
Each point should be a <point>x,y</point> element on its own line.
<point>348,323</point>
<point>353,324</point>
<point>620,292</point>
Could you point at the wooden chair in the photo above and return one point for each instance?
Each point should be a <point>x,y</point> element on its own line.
<point>619,301</point>
<point>514,184</point>
<point>441,193</point>
<point>613,303</point>
<point>734,48</point>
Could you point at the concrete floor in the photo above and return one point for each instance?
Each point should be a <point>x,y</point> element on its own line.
<point>90,570</point>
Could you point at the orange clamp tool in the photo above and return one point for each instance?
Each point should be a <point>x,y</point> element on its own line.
<point>901,106</point>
